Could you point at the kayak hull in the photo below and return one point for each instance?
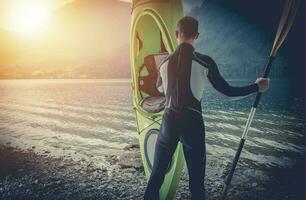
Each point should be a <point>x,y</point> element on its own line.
<point>153,22</point>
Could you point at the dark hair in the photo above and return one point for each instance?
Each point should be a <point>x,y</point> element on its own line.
<point>188,26</point>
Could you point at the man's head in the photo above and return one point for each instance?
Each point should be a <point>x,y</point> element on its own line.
<point>187,30</point>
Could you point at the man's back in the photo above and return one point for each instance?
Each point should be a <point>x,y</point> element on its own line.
<point>183,76</point>
<point>177,72</point>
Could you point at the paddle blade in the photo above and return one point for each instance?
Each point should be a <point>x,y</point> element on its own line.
<point>287,19</point>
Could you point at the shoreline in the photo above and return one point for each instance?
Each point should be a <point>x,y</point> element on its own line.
<point>26,175</point>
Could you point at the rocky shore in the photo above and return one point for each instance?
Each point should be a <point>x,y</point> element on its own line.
<point>24,175</point>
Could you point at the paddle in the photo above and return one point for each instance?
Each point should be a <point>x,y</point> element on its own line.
<point>286,21</point>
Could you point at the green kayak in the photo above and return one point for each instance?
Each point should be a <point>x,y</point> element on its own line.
<point>152,39</point>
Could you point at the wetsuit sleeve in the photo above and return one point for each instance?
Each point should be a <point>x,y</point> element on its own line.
<point>220,84</point>
<point>159,83</point>
<point>160,74</point>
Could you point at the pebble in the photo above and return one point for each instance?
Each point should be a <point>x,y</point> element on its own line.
<point>20,170</point>
<point>102,170</point>
<point>110,187</point>
<point>82,184</point>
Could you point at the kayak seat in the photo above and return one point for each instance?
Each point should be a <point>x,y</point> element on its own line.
<point>153,104</point>
<point>148,74</point>
<point>152,100</point>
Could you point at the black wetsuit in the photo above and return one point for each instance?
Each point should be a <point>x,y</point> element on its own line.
<point>182,76</point>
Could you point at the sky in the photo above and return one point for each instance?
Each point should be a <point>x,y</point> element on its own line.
<point>78,36</point>
<point>187,3</point>
<point>51,5</point>
<point>8,6</point>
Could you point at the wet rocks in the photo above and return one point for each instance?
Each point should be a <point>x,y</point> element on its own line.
<point>131,147</point>
<point>254,184</point>
<point>226,169</point>
<point>46,178</point>
<point>130,160</point>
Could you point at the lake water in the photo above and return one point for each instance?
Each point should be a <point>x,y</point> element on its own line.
<point>82,118</point>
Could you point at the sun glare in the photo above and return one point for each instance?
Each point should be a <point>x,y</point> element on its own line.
<point>28,17</point>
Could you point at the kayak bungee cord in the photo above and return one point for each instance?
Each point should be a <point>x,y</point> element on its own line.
<point>286,21</point>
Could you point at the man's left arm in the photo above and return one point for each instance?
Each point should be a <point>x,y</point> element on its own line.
<point>220,84</point>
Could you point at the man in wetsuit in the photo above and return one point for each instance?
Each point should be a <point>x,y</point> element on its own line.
<point>182,79</point>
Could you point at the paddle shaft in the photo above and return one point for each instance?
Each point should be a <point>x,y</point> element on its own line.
<point>246,129</point>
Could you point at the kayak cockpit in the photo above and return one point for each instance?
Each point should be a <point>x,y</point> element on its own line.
<point>152,100</point>
<point>150,47</point>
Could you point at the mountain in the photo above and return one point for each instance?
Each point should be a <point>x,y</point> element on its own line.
<point>84,39</point>
<point>239,35</point>
<point>90,39</point>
